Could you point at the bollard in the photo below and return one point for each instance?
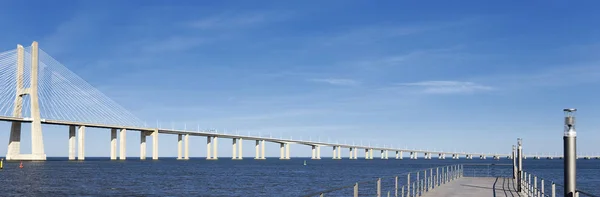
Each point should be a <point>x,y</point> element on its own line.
<point>570,153</point>
<point>356,190</point>
<point>396,186</point>
<point>379,187</point>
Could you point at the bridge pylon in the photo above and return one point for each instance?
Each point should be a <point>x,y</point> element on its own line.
<point>37,141</point>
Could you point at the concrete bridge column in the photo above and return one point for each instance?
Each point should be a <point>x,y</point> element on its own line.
<point>142,145</point>
<point>155,144</point>
<point>371,153</point>
<point>208,147</point>
<point>186,152</point>
<point>314,152</point>
<point>412,155</point>
<point>397,155</point>
<point>257,147</point>
<point>339,150</point>
<point>318,152</point>
<point>113,143</point>
<point>179,146</point>
<point>351,153</point>
<point>386,154</point>
<point>262,149</point>
<point>366,153</point>
<point>234,148</point>
<point>287,150</point>
<point>334,156</point>
<point>81,145</point>
<point>281,151</point>
<point>240,155</point>
<point>215,148</point>
<point>401,155</point>
<point>122,144</point>
<point>355,150</point>
<point>426,155</point>
<point>72,143</point>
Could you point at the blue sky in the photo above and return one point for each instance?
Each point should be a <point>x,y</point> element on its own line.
<point>472,76</point>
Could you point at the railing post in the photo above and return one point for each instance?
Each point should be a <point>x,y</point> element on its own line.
<point>424,180</point>
<point>408,185</point>
<point>519,165</point>
<point>553,190</point>
<point>570,153</point>
<point>356,189</point>
<point>437,176</point>
<point>529,184</point>
<point>430,178</point>
<point>402,191</point>
<point>543,191</point>
<point>378,187</point>
<point>418,184</point>
<point>396,186</point>
<point>535,187</point>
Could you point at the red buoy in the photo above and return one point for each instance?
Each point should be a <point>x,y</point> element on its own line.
<point>21,166</point>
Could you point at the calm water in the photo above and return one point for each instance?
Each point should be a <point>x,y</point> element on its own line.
<point>271,177</point>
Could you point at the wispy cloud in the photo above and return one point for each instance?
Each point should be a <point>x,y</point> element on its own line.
<point>228,20</point>
<point>446,87</point>
<point>368,34</point>
<point>337,81</point>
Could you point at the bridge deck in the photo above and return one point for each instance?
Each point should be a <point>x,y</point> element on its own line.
<point>477,187</point>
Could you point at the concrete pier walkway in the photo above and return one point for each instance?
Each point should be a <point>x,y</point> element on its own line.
<point>477,187</point>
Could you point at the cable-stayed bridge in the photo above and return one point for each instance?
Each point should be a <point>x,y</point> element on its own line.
<point>37,89</point>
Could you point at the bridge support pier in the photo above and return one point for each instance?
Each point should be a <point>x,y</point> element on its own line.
<point>81,145</point>
<point>122,144</point>
<point>72,143</point>
<point>37,141</point>
<point>186,153</point>
<point>351,153</point>
<point>313,154</point>
<point>257,147</point>
<point>113,143</point>
<point>366,153</point>
<point>281,151</point>
<point>179,146</point>
<point>155,144</point>
<point>355,150</point>
<point>209,142</point>
<point>262,149</point>
<point>240,155</point>
<point>234,149</point>
<point>287,150</point>
<point>143,135</point>
<point>215,148</point>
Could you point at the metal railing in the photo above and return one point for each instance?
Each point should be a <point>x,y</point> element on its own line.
<point>533,189</point>
<point>417,183</point>
<point>488,170</point>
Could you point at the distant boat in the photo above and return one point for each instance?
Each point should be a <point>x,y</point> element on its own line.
<point>304,162</point>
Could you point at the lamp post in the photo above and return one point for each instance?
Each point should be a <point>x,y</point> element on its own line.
<point>570,152</point>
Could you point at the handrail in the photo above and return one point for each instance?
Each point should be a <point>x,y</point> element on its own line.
<point>422,185</point>
<point>533,189</point>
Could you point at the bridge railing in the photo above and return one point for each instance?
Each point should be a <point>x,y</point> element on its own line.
<point>488,170</point>
<point>416,183</point>
<point>537,186</point>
